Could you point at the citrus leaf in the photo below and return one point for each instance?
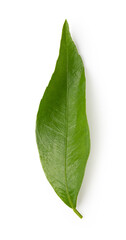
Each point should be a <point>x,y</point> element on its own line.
<point>62,131</point>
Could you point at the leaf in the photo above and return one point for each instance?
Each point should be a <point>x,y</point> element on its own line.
<point>62,131</point>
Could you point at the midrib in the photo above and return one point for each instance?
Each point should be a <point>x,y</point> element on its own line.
<point>66,120</point>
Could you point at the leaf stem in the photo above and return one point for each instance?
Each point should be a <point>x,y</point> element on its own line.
<point>78,214</point>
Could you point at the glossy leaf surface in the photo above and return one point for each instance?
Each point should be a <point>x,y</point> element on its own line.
<point>62,131</point>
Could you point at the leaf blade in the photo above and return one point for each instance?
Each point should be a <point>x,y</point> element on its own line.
<point>62,131</point>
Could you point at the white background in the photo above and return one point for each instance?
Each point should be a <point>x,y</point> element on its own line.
<point>30,33</point>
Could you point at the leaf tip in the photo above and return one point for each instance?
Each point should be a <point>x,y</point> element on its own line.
<point>66,25</point>
<point>65,21</point>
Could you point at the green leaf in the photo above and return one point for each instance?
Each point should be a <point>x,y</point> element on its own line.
<point>62,131</point>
